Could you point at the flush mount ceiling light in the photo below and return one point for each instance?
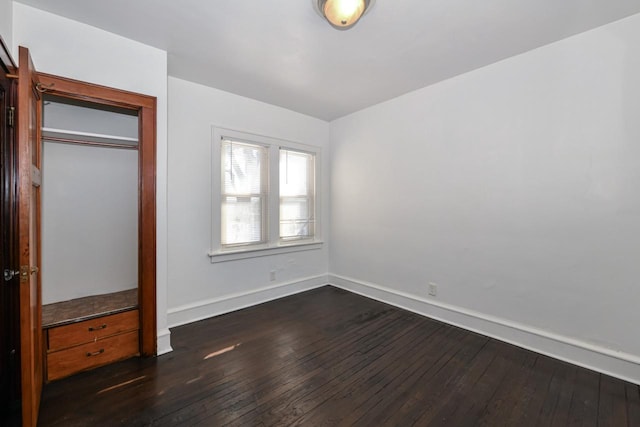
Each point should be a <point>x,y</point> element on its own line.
<point>343,14</point>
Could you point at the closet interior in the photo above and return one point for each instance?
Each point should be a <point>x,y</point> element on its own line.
<point>94,262</point>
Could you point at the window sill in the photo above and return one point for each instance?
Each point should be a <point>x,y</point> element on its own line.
<point>224,256</point>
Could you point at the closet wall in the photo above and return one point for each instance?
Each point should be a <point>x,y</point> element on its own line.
<point>90,204</point>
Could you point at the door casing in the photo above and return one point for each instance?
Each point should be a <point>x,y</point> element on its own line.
<point>146,108</point>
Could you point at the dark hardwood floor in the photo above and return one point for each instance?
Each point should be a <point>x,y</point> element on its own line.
<point>329,357</point>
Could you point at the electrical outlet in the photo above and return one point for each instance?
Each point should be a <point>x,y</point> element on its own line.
<point>433,289</point>
<point>272,275</point>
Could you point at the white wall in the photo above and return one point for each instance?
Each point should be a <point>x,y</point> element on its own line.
<point>89,206</point>
<point>198,288</point>
<point>515,189</point>
<point>68,48</point>
<point>6,22</point>
<point>89,221</point>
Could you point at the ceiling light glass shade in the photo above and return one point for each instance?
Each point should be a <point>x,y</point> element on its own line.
<point>343,14</point>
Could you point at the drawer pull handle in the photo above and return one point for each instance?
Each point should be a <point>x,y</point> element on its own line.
<point>96,353</point>
<point>91,329</point>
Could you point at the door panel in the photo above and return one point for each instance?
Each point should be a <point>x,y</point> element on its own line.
<point>28,153</point>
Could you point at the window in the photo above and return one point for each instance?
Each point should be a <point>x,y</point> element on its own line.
<point>265,196</point>
<point>297,194</point>
<point>244,194</point>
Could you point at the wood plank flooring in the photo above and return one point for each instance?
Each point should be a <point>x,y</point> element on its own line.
<point>328,357</point>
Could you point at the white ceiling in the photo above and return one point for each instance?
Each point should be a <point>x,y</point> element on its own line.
<point>281,51</point>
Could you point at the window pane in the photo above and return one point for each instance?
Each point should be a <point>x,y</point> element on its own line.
<point>295,218</point>
<point>241,220</point>
<point>243,168</point>
<point>294,173</point>
<point>294,208</point>
<point>297,195</point>
<point>244,193</point>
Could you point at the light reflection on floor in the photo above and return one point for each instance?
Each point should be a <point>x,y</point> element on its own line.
<point>193,380</point>
<point>219,352</point>
<point>122,384</point>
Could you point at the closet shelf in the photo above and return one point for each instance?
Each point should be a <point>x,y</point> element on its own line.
<point>88,138</point>
<point>80,309</point>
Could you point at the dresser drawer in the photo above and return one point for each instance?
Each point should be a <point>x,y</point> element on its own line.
<point>91,330</point>
<point>102,352</point>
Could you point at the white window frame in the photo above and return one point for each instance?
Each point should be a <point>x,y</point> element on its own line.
<point>274,244</point>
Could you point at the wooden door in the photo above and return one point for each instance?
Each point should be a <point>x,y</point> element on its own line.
<point>9,283</point>
<point>29,155</point>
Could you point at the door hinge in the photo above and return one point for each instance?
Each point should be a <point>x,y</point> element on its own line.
<point>26,271</point>
<point>11,116</point>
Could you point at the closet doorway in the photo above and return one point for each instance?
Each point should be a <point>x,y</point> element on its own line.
<point>98,225</point>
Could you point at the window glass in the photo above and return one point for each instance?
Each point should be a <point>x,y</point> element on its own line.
<point>297,194</point>
<point>244,191</point>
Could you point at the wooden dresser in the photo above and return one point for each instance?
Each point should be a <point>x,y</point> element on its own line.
<point>79,336</point>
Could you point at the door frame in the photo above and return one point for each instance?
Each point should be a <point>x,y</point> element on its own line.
<point>146,107</point>
<point>9,294</point>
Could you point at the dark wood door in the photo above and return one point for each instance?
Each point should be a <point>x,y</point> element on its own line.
<point>9,282</point>
<point>29,159</point>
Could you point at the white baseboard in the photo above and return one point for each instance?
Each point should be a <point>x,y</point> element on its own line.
<point>607,361</point>
<point>163,343</point>
<point>216,306</point>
